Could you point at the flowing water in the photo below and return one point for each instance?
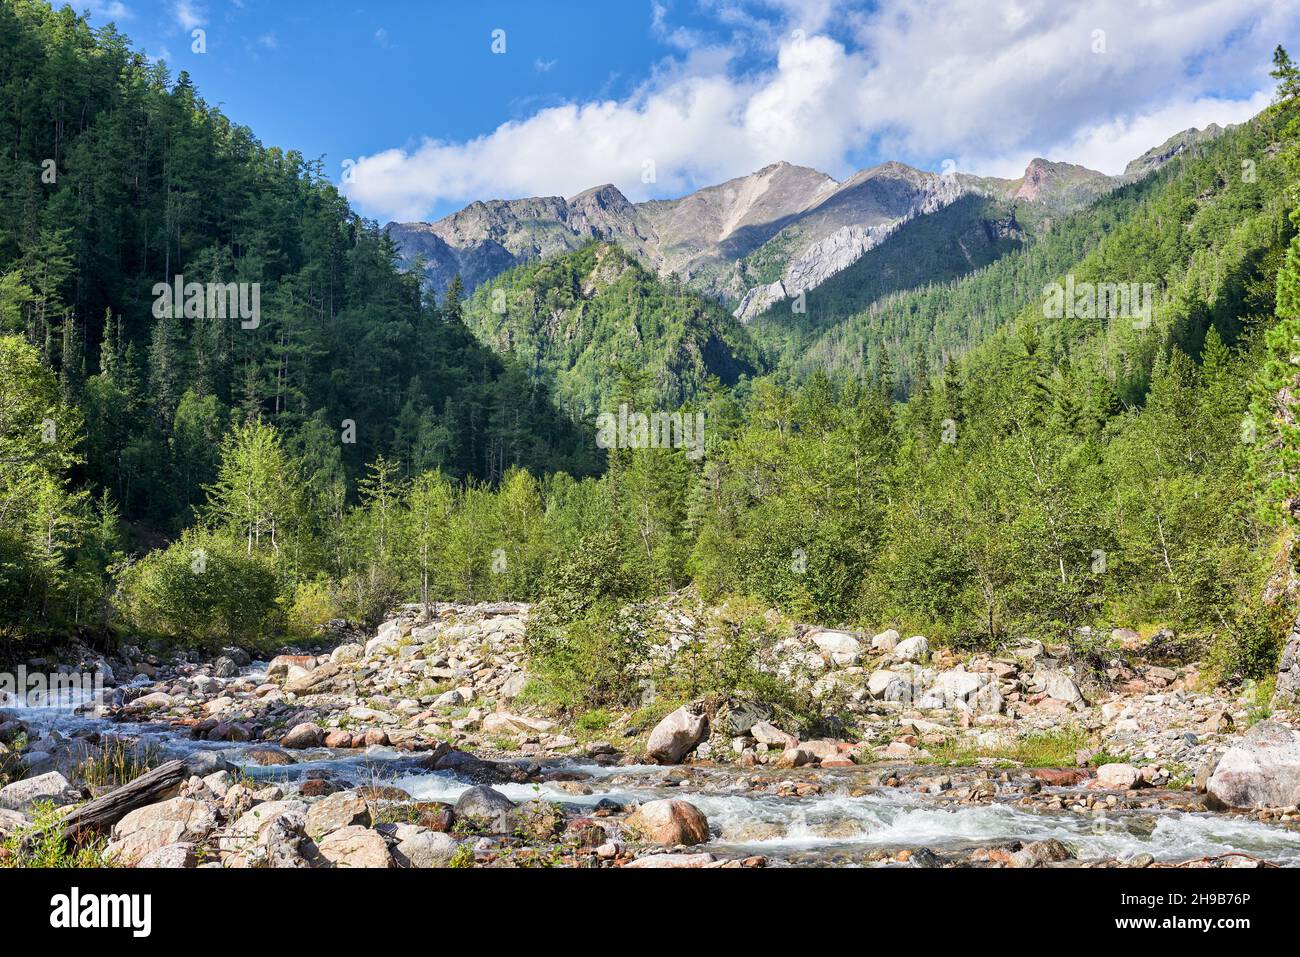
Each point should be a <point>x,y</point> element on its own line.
<point>842,824</point>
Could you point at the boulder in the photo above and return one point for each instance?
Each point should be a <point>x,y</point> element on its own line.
<point>290,666</point>
<point>1262,770</point>
<point>339,810</point>
<point>1287,694</point>
<point>487,809</point>
<point>514,686</point>
<point>668,822</point>
<point>735,718</point>
<point>11,821</point>
<point>258,829</point>
<point>356,847</point>
<point>1040,853</point>
<point>1118,777</point>
<point>150,702</point>
<point>975,690</point>
<point>149,829</point>
<point>886,641</point>
<point>22,794</point>
<point>502,722</point>
<point>171,856</point>
<point>912,649</point>
<point>305,735</point>
<point>772,736</point>
<point>676,735</point>
<point>314,681</point>
<point>347,653</point>
<point>840,647</point>
<point>422,848</point>
<point>224,667</point>
<point>889,686</point>
<point>794,758</point>
<point>1059,685</point>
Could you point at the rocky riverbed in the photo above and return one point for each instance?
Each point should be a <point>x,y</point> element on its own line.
<point>413,747</point>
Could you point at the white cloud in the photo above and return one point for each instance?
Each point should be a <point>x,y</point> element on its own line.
<point>988,84</point>
<point>108,9</point>
<point>189,14</point>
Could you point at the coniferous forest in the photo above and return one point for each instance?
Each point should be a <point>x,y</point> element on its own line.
<point>941,456</point>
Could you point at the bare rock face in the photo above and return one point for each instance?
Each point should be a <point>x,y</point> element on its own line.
<point>676,735</point>
<point>1288,672</point>
<point>669,823</point>
<point>1263,770</point>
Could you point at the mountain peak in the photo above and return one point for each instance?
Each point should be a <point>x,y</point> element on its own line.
<point>1158,156</point>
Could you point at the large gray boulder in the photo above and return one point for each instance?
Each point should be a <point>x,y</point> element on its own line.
<point>1288,672</point>
<point>487,809</point>
<point>422,848</point>
<point>977,691</point>
<point>1057,684</point>
<point>676,736</point>
<point>53,787</point>
<point>1263,770</point>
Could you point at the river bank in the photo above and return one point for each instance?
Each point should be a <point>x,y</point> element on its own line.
<point>418,746</point>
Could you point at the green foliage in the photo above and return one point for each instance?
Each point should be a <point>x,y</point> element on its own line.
<point>42,844</point>
<point>151,183</point>
<point>43,522</point>
<point>204,589</point>
<point>573,318</point>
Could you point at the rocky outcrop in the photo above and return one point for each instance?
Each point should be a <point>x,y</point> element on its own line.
<point>1287,694</point>
<point>1261,771</point>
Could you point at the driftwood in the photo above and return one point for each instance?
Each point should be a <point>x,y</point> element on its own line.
<point>102,813</point>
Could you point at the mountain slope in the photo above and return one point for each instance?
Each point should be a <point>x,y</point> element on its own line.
<point>753,240</point>
<point>851,331</point>
<point>582,318</point>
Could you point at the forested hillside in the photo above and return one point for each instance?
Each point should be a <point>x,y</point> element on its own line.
<point>116,176</point>
<point>885,318</point>
<point>578,318</point>
<point>1047,470</point>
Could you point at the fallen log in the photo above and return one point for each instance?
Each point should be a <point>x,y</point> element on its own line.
<point>102,813</point>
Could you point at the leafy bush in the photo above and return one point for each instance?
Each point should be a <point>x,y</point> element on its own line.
<point>204,589</point>
<point>312,604</point>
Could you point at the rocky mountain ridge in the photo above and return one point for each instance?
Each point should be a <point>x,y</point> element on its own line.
<point>752,240</point>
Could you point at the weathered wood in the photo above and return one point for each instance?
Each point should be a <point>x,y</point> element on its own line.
<point>149,788</point>
<point>102,813</point>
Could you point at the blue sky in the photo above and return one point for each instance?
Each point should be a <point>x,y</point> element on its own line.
<point>664,96</point>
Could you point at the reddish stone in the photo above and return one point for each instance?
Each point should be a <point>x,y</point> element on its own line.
<point>1062,777</point>
<point>317,787</point>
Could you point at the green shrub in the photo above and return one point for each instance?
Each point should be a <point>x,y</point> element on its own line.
<point>204,589</point>
<point>312,604</point>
